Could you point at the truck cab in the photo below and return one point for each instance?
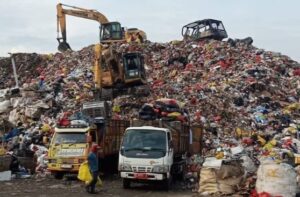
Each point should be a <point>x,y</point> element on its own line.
<point>153,151</point>
<point>69,148</point>
<point>146,154</point>
<point>70,144</point>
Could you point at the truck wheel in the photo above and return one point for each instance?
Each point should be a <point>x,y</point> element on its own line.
<point>126,183</point>
<point>167,183</point>
<point>58,175</point>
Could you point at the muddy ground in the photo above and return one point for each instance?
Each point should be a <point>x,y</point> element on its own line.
<point>112,186</point>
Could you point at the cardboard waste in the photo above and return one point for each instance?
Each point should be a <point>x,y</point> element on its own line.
<point>246,98</point>
<point>222,179</point>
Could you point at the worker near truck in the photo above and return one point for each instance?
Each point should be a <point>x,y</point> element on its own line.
<point>94,167</point>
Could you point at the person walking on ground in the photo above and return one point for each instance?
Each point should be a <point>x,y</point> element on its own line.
<point>93,166</point>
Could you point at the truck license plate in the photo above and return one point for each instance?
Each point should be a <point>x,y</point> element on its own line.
<point>66,166</point>
<point>140,175</point>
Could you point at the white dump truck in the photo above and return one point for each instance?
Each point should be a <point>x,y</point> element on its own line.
<point>154,152</point>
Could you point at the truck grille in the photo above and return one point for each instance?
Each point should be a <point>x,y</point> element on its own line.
<point>141,169</point>
<point>68,161</point>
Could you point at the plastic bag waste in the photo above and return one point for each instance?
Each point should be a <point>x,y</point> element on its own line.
<point>84,172</point>
<point>84,175</point>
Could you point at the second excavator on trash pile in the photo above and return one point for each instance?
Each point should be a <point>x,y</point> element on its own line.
<point>114,73</point>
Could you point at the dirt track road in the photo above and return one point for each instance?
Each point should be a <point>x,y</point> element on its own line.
<point>44,187</point>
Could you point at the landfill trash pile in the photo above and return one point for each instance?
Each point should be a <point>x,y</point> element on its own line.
<point>218,82</point>
<point>26,68</point>
<point>246,98</point>
<point>29,114</point>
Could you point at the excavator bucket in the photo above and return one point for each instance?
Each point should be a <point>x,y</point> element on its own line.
<point>63,46</point>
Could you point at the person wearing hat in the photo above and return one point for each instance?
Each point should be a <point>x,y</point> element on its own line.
<point>94,167</point>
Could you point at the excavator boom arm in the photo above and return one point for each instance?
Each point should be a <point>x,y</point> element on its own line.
<point>77,12</point>
<point>83,13</point>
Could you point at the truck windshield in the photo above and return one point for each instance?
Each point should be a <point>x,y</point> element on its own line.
<point>144,143</point>
<point>69,138</point>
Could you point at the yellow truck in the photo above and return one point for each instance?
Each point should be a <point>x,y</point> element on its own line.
<point>70,145</point>
<point>68,149</point>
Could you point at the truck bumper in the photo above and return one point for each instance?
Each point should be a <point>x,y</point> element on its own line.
<point>145,176</point>
<point>63,167</point>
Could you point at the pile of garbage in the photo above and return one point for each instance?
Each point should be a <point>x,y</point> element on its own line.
<point>165,109</point>
<point>246,98</point>
<point>29,113</point>
<point>217,83</point>
<point>23,150</point>
<point>27,63</point>
<point>248,170</point>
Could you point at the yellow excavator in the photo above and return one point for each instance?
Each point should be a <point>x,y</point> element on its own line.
<point>114,73</point>
<point>109,31</point>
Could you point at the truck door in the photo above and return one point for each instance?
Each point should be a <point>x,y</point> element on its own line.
<point>170,149</point>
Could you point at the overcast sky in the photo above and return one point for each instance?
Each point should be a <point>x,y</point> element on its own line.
<point>30,25</point>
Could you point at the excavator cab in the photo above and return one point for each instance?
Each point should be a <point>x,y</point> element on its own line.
<point>204,29</point>
<point>111,31</point>
<point>134,70</point>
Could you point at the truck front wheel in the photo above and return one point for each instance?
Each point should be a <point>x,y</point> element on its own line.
<point>126,183</point>
<point>167,183</point>
<point>58,175</point>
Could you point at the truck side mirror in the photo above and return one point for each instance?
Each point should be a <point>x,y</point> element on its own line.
<point>122,150</point>
<point>171,145</point>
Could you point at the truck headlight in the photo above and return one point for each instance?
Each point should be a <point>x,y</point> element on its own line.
<point>160,169</point>
<point>125,167</point>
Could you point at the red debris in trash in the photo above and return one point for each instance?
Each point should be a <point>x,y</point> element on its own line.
<point>193,101</point>
<point>257,58</point>
<point>296,72</point>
